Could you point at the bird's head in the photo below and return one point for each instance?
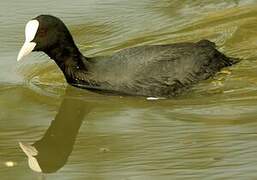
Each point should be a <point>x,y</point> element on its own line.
<point>43,33</point>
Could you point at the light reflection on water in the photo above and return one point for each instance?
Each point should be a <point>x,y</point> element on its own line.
<point>209,132</point>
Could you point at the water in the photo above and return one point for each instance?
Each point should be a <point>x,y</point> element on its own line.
<point>210,132</point>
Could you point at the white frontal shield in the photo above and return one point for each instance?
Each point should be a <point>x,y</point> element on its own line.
<point>30,33</point>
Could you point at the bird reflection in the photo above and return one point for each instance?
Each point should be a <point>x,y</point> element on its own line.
<point>51,152</point>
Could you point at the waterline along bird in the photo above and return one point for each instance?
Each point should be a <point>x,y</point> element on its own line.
<point>150,70</point>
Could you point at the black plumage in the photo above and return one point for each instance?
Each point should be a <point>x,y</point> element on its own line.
<point>152,70</point>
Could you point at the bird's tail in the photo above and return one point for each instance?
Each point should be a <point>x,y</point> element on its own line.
<point>228,61</point>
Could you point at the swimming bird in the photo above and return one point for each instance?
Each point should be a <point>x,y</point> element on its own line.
<point>149,70</point>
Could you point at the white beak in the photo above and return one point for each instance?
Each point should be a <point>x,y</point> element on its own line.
<point>26,49</point>
<point>30,33</point>
<point>31,151</point>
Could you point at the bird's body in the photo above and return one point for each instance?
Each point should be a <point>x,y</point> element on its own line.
<point>153,70</point>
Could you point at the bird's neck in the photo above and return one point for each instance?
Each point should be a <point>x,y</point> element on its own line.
<point>70,60</point>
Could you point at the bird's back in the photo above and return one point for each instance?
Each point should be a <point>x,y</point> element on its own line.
<point>157,70</point>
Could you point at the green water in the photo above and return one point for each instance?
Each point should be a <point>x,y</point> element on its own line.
<point>209,133</point>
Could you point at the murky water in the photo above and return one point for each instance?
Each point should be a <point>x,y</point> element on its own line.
<point>209,133</point>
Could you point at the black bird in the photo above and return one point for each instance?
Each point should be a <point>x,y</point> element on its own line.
<point>151,70</point>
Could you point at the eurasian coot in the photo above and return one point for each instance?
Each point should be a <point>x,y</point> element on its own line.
<point>151,70</point>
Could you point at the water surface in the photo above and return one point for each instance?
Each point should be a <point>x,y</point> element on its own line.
<point>211,132</point>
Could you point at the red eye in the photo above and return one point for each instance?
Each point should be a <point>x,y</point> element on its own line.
<point>42,32</point>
